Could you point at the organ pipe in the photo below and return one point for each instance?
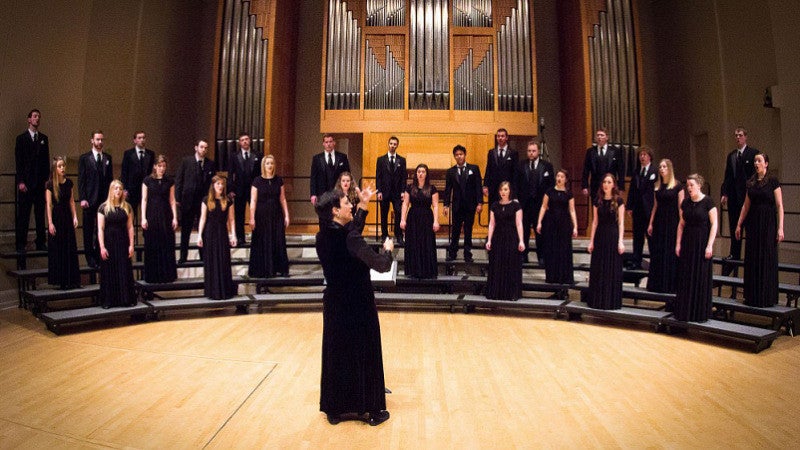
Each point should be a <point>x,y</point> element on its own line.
<point>241,99</point>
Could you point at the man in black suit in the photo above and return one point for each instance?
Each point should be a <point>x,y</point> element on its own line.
<point>243,167</point>
<point>602,158</point>
<point>191,185</point>
<point>739,168</point>
<point>137,163</point>
<point>640,202</point>
<point>32,153</point>
<point>390,178</point>
<point>534,177</point>
<point>326,167</point>
<point>462,199</point>
<point>501,162</point>
<point>95,173</point>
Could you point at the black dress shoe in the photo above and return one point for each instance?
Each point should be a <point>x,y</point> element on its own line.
<point>334,419</point>
<point>378,417</point>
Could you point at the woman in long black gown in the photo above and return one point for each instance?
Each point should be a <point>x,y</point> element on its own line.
<point>663,229</point>
<point>558,224</point>
<point>420,225</point>
<point>159,222</point>
<point>62,248</point>
<point>115,238</point>
<point>607,247</point>
<point>762,216</point>
<point>694,246</point>
<point>269,217</point>
<point>352,382</point>
<point>505,246</point>
<point>216,238</point>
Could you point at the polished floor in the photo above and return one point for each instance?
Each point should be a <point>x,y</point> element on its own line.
<point>483,380</point>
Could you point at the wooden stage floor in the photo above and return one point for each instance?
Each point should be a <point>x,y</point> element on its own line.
<point>481,380</point>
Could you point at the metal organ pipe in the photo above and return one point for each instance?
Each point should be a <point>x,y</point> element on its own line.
<point>241,99</point>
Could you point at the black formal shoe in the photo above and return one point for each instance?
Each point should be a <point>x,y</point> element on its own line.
<point>334,419</point>
<point>378,417</point>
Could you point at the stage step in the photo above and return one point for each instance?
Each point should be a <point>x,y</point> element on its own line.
<point>39,300</point>
<point>782,316</point>
<point>760,337</point>
<point>55,320</point>
<point>555,306</point>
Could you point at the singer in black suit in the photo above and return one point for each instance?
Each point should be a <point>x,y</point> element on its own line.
<point>602,158</point>
<point>501,163</point>
<point>32,153</point>
<point>243,167</point>
<point>326,167</point>
<point>191,185</point>
<point>462,199</point>
<point>739,168</point>
<point>390,179</point>
<point>640,202</point>
<point>534,177</point>
<point>95,174</point>
<point>137,163</point>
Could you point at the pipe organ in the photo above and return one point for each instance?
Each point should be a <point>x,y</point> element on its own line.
<point>241,96</point>
<point>416,57</point>
<point>613,76</point>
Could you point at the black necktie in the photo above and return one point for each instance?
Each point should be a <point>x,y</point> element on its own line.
<point>200,167</point>
<point>644,171</point>
<point>35,137</point>
<point>98,159</point>
<point>460,171</point>
<point>330,161</point>
<point>391,161</point>
<point>246,156</point>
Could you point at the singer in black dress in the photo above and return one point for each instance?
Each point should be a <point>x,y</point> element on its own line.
<point>505,246</point>
<point>115,238</point>
<point>216,238</point>
<point>762,216</point>
<point>269,217</point>
<point>557,225</point>
<point>352,381</point>
<point>606,247</point>
<point>663,230</point>
<point>695,243</point>
<point>62,248</point>
<point>159,222</point>
<point>420,225</point>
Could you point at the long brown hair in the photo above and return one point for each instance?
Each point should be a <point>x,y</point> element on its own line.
<point>614,193</point>
<point>212,194</point>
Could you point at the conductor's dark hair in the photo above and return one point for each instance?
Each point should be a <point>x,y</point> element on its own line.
<point>326,203</point>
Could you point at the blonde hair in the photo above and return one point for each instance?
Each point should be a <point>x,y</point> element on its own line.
<point>212,194</point>
<point>111,203</point>
<point>671,181</point>
<point>55,177</point>
<point>264,166</point>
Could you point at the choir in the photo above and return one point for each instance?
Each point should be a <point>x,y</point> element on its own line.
<point>679,220</point>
